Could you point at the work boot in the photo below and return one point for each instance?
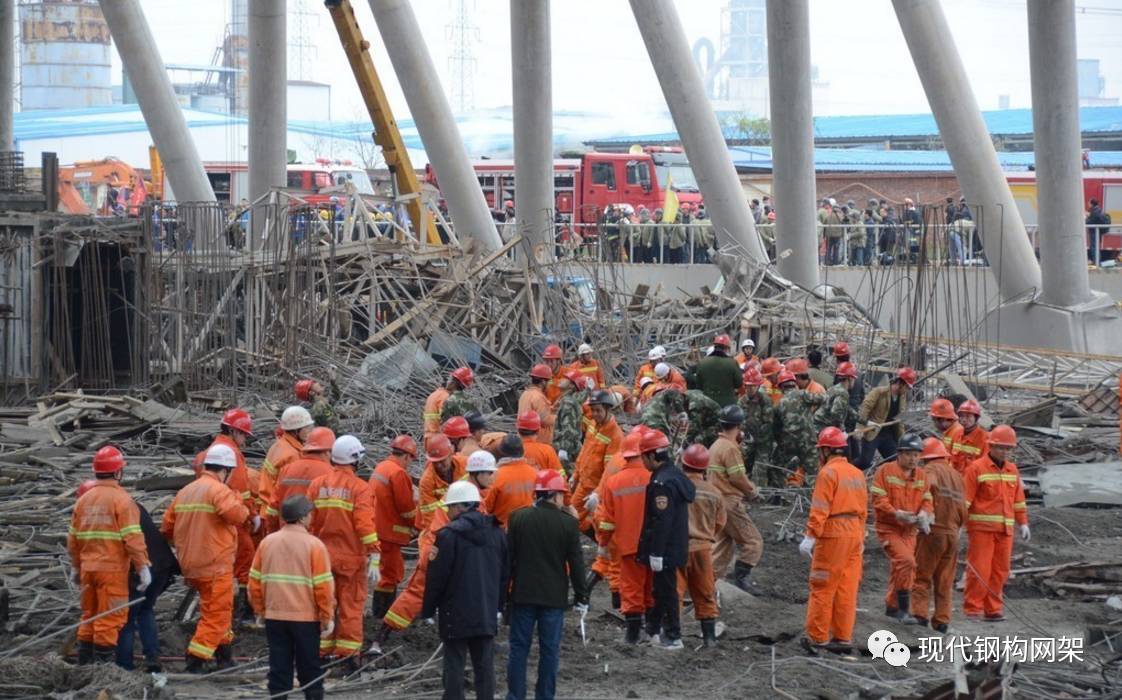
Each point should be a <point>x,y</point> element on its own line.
<point>380,639</point>
<point>590,581</point>
<point>709,633</point>
<point>921,621</point>
<point>634,628</point>
<point>671,645</point>
<point>740,574</point>
<point>85,653</point>
<point>616,601</point>
<point>650,626</point>
<point>940,627</point>
<point>242,607</point>
<point>152,664</point>
<point>224,655</point>
<point>995,617</point>
<point>904,606</point>
<point>105,654</point>
<point>349,666</point>
<point>381,602</point>
<point>194,664</point>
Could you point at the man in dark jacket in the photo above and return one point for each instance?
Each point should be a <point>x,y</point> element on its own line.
<point>718,375</point>
<point>142,616</point>
<point>1098,223</point>
<point>665,539</point>
<point>544,541</point>
<point>466,582</point>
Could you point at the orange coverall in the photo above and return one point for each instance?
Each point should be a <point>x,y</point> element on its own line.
<point>937,551</point>
<point>541,455</point>
<point>406,606</point>
<point>291,577</point>
<point>513,488</point>
<point>433,487</point>
<point>202,523</point>
<point>600,443</point>
<point>622,509</point>
<point>240,483</point>
<point>707,522</point>
<point>838,508</point>
<point>646,371</point>
<point>971,446</point>
<point>607,568</point>
<point>894,489</point>
<point>590,369</point>
<point>295,478</point>
<point>951,436</point>
<point>534,399</point>
<point>995,500</point>
<point>344,520</point>
<point>674,380</point>
<point>394,512</point>
<point>104,537</point>
<point>285,449</point>
<point>430,418</point>
<point>729,477</point>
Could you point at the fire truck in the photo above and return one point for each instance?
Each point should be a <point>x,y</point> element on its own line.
<point>316,182</point>
<point>1103,185</point>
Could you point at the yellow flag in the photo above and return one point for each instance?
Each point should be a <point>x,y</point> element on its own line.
<point>670,204</point>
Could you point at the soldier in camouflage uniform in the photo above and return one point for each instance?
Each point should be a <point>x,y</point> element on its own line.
<point>666,411</point>
<point>323,411</point>
<point>836,411</point>
<point>702,412</point>
<point>795,429</point>
<point>759,431</point>
<point>456,405</point>
<point>568,429</point>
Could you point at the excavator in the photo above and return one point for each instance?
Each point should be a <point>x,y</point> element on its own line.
<point>105,187</point>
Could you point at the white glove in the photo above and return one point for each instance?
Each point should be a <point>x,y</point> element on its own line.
<point>326,628</point>
<point>374,572</point>
<point>499,617</point>
<point>563,455</point>
<point>256,523</point>
<point>591,502</point>
<point>260,621</point>
<point>924,521</point>
<point>581,608</point>
<point>906,517</point>
<point>145,575</point>
<point>603,553</point>
<point>656,564</point>
<point>1023,530</point>
<point>806,547</point>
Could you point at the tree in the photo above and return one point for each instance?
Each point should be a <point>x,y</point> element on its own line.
<point>756,131</point>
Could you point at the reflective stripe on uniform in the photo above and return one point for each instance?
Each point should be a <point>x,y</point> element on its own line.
<point>605,525</point>
<point>402,529</point>
<point>878,491</point>
<point>334,503</point>
<point>1008,478</point>
<point>201,650</point>
<point>194,508</point>
<point>985,518</point>
<point>370,539</point>
<point>398,619</point>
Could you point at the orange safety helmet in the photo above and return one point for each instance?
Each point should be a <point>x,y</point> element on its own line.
<point>238,419</point>
<point>846,370</point>
<point>797,365</point>
<point>652,441</point>
<point>455,428</point>
<point>529,421</point>
<point>464,376</point>
<point>841,349</point>
<point>786,377</point>
<point>696,457</point>
<point>404,443</point>
<point>722,340</point>
<point>552,352</point>
<point>550,480</point>
<point>771,366</point>
<point>439,449</point>
<point>108,460</point>
<point>752,377</point>
<point>575,376</point>
<point>304,389</point>
<point>541,372</point>
<point>832,437</point>
<point>942,408</point>
<point>906,375</point>
<point>933,448</point>
<point>319,440</point>
<point>631,444</point>
<point>970,406</point>
<point>85,488</point>
<point>1003,436</point>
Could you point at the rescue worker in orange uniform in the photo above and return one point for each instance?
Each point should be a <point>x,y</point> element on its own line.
<point>202,523</point>
<point>534,399</point>
<point>747,354</point>
<point>771,368</point>
<point>729,477</point>
<point>946,423</point>
<point>602,439</point>
<point>460,378</point>
<point>973,444</point>
<point>608,568</point>
<point>937,550</point>
<point>995,502</point>
<point>656,355</point>
<point>292,589</point>
<point>625,402</point>
<point>458,432</point>
<point>707,521</point>
<point>105,537</point>
<point>481,468</point>
<point>666,377</point>
<point>801,369</point>
<point>554,359</point>
<point>440,471</point>
<point>513,487</point>
<point>344,520</point>
<point>394,514</point>
<point>900,495</point>
<point>296,476</point>
<point>588,367</point>
<point>295,426</point>
<point>620,514</point>
<point>835,542</point>
<point>536,450</point>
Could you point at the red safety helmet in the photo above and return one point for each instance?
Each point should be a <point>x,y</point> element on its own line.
<point>108,460</point>
<point>652,441</point>
<point>455,428</point>
<point>575,376</point>
<point>933,448</point>
<point>770,366</point>
<point>970,406</point>
<point>841,349</point>
<point>404,443</point>
<point>1004,436</point>
<point>906,375</point>
<point>464,376</point>
<point>508,204</point>
<point>797,365</point>
<point>85,488</point>
<point>752,377</point>
<point>696,457</point>
<point>846,370</point>
<point>319,440</point>
<point>552,352</point>
<point>529,421</point>
<point>722,340</point>
<point>832,437</point>
<point>786,377</point>
<point>439,449</point>
<point>550,480</point>
<point>238,419</point>
<point>541,372</point>
<point>304,389</point>
<point>942,408</point>
<point>632,444</point>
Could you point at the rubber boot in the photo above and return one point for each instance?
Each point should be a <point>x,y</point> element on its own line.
<point>616,600</point>
<point>380,638</point>
<point>224,655</point>
<point>634,628</point>
<point>590,581</point>
<point>194,664</point>
<point>85,653</point>
<point>242,609</point>
<point>740,576</point>
<point>904,606</point>
<point>381,602</point>
<point>152,664</point>
<point>941,628</point>
<point>921,621</point>
<point>105,655</point>
<point>709,633</point>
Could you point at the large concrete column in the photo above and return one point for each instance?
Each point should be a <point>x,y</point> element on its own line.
<point>431,112</point>
<point>968,143</point>
<point>7,72</point>
<point>141,58</point>
<point>530,58</point>
<point>792,139</point>
<point>268,99</point>
<point>1059,163</point>
<point>697,126</point>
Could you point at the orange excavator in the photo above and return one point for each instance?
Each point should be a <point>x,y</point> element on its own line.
<point>107,187</point>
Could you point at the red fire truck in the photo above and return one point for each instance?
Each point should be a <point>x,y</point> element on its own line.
<point>1102,185</point>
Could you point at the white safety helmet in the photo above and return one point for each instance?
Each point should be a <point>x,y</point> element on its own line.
<point>662,370</point>
<point>645,381</point>
<point>657,353</point>
<point>461,492</point>
<point>833,202</point>
<point>347,450</point>
<point>221,456</point>
<point>584,349</point>
<point>481,461</point>
<point>748,343</point>
<point>295,418</point>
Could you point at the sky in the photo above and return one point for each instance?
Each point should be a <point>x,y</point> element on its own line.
<point>600,64</point>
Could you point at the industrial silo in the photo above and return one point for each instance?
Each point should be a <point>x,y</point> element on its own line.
<point>64,55</point>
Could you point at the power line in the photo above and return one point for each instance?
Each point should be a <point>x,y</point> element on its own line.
<point>464,35</point>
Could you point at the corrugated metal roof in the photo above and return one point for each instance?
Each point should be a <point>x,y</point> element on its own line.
<point>876,160</point>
